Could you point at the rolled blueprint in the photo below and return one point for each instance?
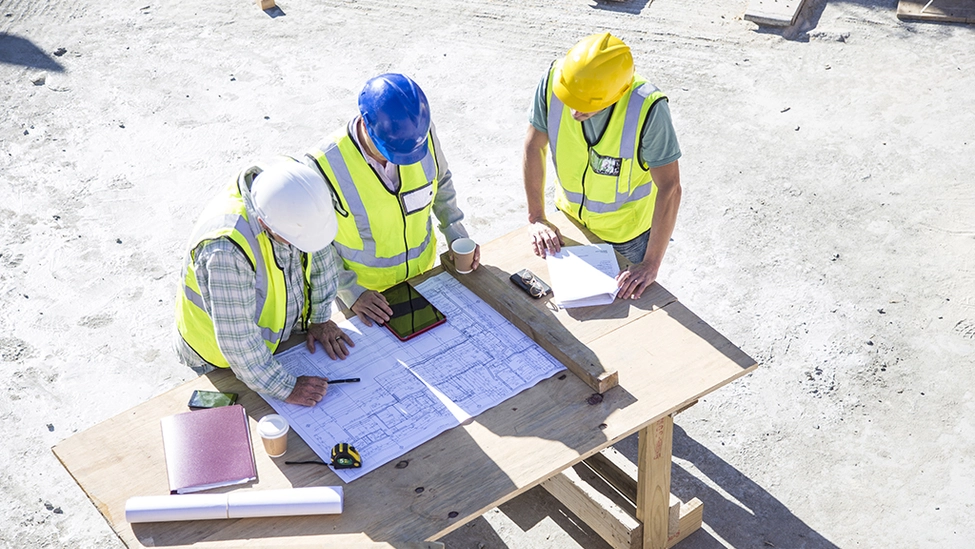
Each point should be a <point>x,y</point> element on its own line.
<point>314,500</point>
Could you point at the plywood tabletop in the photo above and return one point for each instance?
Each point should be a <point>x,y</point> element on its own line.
<point>667,357</point>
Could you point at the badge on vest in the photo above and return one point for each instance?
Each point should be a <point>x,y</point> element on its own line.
<point>417,199</point>
<point>604,165</point>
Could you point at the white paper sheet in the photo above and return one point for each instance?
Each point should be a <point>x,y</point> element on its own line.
<point>583,276</point>
<point>412,391</point>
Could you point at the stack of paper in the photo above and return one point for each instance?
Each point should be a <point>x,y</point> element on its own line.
<point>583,276</point>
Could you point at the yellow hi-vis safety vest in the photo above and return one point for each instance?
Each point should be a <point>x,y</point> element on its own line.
<point>385,237</point>
<point>227,217</point>
<point>604,185</point>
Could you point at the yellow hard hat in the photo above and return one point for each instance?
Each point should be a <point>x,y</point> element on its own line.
<point>595,73</point>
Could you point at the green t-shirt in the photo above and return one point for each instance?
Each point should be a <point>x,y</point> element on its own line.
<point>658,141</point>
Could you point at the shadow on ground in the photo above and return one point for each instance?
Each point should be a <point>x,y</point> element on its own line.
<point>756,519</point>
<point>16,50</point>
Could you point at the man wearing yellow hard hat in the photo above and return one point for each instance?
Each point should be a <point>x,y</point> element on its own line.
<point>615,155</point>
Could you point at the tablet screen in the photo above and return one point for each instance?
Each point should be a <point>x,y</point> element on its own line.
<point>412,313</point>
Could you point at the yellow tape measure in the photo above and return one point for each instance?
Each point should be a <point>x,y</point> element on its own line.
<point>345,456</point>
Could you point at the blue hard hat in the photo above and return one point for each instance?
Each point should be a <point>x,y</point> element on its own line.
<point>397,117</point>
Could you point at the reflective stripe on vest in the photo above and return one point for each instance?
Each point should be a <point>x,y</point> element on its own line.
<point>378,261</point>
<point>615,206</point>
<point>227,219</point>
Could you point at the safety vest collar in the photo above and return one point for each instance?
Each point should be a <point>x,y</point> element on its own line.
<point>357,209</point>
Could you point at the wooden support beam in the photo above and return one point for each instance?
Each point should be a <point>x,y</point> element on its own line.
<point>620,529</point>
<point>691,518</point>
<point>265,4</point>
<point>621,473</point>
<point>653,484</point>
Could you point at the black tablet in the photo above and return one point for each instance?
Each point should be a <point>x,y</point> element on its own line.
<point>412,313</point>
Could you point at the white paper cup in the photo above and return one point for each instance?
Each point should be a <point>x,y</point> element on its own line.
<point>463,249</point>
<point>274,433</point>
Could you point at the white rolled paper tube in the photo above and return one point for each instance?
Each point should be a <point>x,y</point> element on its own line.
<point>170,508</point>
<point>312,500</point>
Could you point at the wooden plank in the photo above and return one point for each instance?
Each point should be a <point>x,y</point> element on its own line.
<point>946,11</point>
<point>265,4</point>
<point>773,13</point>
<point>691,518</point>
<point>617,527</point>
<point>622,474</point>
<point>618,471</point>
<point>653,485</point>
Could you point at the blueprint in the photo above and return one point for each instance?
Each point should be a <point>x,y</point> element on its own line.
<point>412,391</point>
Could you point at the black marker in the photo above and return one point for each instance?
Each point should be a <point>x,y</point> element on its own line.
<point>349,380</point>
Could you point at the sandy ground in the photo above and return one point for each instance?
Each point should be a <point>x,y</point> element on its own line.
<point>828,228</point>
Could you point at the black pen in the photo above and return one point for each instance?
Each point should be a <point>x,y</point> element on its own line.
<point>348,380</point>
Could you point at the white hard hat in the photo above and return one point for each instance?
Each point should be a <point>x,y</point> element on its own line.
<point>293,201</point>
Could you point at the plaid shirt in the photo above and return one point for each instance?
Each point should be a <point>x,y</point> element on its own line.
<point>227,283</point>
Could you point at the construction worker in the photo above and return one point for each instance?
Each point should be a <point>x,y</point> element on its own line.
<point>387,173</point>
<point>615,154</point>
<point>259,265</point>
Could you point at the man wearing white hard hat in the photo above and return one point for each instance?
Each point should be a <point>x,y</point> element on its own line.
<point>260,264</point>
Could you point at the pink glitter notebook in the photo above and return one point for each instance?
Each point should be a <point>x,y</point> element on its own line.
<point>208,448</point>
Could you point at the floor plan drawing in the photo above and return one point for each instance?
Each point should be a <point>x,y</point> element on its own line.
<point>412,391</point>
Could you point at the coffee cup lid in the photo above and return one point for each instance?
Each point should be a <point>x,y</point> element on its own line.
<point>272,425</point>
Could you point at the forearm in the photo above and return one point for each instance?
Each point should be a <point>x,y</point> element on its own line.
<point>534,173</point>
<point>324,283</point>
<point>349,289</point>
<point>666,206</point>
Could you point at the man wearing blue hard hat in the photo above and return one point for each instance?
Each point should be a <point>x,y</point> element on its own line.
<point>387,174</point>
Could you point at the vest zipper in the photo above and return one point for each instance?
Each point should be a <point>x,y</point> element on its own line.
<point>406,242</point>
<point>582,202</point>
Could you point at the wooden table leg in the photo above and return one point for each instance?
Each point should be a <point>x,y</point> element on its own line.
<point>653,482</point>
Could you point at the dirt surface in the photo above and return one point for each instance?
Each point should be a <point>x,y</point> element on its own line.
<point>827,227</point>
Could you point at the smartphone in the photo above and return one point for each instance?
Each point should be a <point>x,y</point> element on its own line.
<point>211,399</point>
<point>412,313</point>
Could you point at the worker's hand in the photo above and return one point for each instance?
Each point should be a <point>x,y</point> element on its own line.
<point>308,391</point>
<point>332,338</point>
<point>477,256</point>
<point>635,279</point>
<point>372,306</point>
<point>546,238</point>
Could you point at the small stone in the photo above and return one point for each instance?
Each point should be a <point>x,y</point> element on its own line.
<point>869,342</point>
<point>562,376</point>
<point>118,240</point>
<point>40,80</point>
<point>602,426</point>
<point>452,514</point>
<point>50,427</point>
<point>403,464</point>
<point>59,52</point>
<point>58,511</point>
<point>419,490</point>
<point>594,399</point>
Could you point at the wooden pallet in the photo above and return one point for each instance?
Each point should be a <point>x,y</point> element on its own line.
<point>774,13</point>
<point>946,11</point>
